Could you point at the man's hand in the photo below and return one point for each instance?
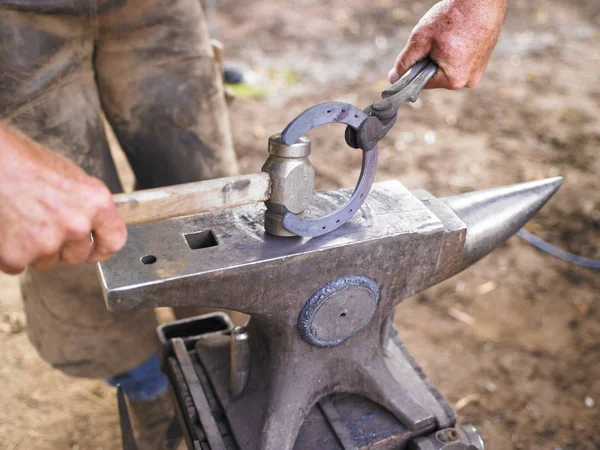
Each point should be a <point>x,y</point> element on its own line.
<point>49,207</point>
<point>459,35</point>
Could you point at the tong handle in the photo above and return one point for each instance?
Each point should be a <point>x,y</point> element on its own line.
<point>405,90</point>
<point>409,76</point>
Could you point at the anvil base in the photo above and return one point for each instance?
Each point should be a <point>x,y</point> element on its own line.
<point>336,422</point>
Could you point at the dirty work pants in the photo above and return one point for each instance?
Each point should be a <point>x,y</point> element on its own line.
<point>148,66</point>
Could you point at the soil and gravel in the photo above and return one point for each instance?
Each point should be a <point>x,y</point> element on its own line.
<point>513,342</point>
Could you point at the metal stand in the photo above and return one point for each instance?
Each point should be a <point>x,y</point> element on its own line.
<point>336,422</point>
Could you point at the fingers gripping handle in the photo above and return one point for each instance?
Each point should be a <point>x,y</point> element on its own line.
<point>425,69</point>
<point>407,88</point>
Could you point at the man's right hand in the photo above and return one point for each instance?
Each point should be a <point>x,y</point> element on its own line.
<point>459,35</point>
<point>49,207</point>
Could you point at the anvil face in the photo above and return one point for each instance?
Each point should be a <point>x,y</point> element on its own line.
<point>318,305</point>
<point>405,241</point>
<point>395,239</point>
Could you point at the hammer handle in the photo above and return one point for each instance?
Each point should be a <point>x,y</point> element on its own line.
<point>193,198</point>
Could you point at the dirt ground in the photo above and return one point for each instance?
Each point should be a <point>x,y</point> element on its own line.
<point>514,342</point>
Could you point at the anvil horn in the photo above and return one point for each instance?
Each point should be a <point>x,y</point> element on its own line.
<point>494,215</point>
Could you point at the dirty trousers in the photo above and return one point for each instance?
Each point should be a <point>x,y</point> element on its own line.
<point>148,67</point>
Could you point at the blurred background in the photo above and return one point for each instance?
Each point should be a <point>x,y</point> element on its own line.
<point>514,342</point>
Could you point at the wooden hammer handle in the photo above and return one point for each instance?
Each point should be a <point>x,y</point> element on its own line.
<point>193,198</point>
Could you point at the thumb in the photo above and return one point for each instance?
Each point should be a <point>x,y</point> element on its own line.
<point>417,48</point>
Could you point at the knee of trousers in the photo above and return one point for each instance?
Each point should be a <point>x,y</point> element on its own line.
<point>168,110</point>
<point>68,323</point>
<point>49,89</point>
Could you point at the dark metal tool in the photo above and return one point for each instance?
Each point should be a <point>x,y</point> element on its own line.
<point>382,115</point>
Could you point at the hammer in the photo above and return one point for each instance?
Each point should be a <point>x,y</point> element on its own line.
<point>285,184</point>
<point>193,198</point>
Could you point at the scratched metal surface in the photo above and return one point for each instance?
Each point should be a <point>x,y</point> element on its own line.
<point>390,210</point>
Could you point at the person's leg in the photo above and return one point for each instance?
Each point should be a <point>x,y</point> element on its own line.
<point>162,92</point>
<point>48,92</point>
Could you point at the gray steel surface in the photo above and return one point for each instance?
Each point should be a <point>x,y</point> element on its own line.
<point>418,223</point>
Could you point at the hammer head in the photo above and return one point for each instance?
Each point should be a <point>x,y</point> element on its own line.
<point>292,181</point>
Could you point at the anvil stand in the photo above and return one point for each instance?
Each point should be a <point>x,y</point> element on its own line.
<point>320,312</point>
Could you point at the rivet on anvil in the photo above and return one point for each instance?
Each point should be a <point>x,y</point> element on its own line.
<point>338,311</point>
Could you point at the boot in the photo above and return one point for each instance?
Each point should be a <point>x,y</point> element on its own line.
<point>155,425</point>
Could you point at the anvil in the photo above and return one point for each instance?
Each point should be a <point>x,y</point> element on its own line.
<point>320,307</point>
